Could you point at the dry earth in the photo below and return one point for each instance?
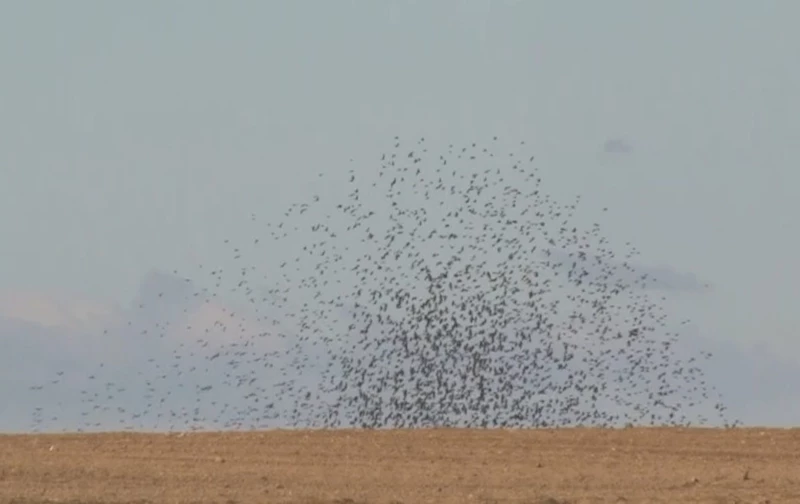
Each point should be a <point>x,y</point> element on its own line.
<point>439,466</point>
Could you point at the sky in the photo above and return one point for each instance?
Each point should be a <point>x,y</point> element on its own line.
<point>138,137</point>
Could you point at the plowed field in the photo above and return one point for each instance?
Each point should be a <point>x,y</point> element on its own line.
<point>438,466</point>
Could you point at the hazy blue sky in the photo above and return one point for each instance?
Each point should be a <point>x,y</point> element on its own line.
<point>138,135</point>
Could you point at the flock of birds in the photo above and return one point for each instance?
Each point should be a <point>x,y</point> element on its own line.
<point>447,290</point>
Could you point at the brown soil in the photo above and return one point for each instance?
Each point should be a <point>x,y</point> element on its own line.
<point>438,466</point>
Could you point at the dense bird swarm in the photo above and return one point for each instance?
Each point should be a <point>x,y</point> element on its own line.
<point>446,289</point>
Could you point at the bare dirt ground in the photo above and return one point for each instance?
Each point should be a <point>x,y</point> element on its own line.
<point>438,466</point>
